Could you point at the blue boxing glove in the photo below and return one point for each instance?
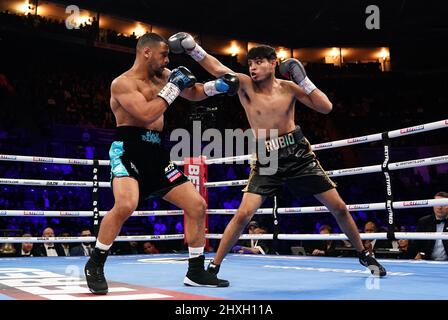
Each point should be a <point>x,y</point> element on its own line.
<point>228,83</point>
<point>235,249</point>
<point>180,79</point>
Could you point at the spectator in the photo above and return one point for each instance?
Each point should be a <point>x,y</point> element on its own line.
<point>65,246</point>
<point>85,248</point>
<point>372,245</point>
<point>254,246</point>
<point>326,247</point>
<point>436,222</point>
<point>403,246</point>
<point>150,248</point>
<point>26,249</point>
<point>134,247</point>
<point>49,249</point>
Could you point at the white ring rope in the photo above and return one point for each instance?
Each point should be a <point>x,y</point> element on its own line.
<point>86,162</point>
<point>410,204</point>
<point>364,236</point>
<point>352,171</point>
<point>328,145</point>
<point>321,146</point>
<point>89,239</point>
<point>346,142</point>
<point>352,207</point>
<point>52,183</point>
<point>332,173</point>
<point>77,214</point>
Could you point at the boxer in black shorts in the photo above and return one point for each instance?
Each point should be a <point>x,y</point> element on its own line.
<point>138,153</point>
<point>141,167</point>
<point>269,104</point>
<point>298,168</point>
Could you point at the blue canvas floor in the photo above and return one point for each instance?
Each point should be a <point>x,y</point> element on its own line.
<point>251,277</point>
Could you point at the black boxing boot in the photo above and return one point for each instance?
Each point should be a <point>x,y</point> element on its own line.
<point>94,272</point>
<point>366,259</point>
<point>213,268</point>
<point>197,276</point>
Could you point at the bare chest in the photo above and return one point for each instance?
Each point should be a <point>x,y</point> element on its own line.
<point>150,90</point>
<point>268,106</point>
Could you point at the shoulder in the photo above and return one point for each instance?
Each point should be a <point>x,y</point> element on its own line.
<point>244,79</point>
<point>287,85</point>
<point>291,87</point>
<point>122,84</point>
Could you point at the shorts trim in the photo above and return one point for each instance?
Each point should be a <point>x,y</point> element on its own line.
<point>115,153</point>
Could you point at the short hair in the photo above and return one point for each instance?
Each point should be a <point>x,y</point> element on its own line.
<point>149,39</point>
<point>262,52</point>
<point>325,227</point>
<point>442,194</point>
<point>372,222</point>
<point>254,224</point>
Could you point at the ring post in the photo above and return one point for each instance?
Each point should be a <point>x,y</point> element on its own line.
<point>389,192</point>
<point>196,170</point>
<point>96,211</point>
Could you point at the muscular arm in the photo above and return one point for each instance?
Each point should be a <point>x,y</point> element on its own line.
<point>126,93</point>
<point>182,42</point>
<point>217,69</point>
<point>214,66</point>
<point>316,100</point>
<point>195,93</point>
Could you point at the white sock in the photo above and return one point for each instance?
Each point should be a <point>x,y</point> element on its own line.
<point>102,246</point>
<point>195,252</point>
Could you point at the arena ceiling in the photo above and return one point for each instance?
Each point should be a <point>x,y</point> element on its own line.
<point>290,23</point>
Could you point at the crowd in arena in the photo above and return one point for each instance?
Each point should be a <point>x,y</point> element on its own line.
<point>37,97</point>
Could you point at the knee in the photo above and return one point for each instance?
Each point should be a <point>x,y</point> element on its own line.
<point>340,210</point>
<point>125,208</point>
<point>197,208</point>
<point>243,216</point>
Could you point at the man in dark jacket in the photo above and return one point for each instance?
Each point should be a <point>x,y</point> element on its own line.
<point>49,249</point>
<point>85,248</point>
<point>433,249</point>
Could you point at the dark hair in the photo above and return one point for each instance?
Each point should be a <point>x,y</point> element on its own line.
<point>325,227</point>
<point>149,39</point>
<point>262,52</point>
<point>372,222</point>
<point>442,194</point>
<point>254,224</point>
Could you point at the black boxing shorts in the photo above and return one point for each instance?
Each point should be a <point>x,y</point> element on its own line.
<point>138,153</point>
<point>298,168</point>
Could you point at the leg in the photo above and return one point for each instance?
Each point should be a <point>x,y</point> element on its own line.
<point>126,195</point>
<point>338,209</point>
<point>186,197</point>
<point>250,203</point>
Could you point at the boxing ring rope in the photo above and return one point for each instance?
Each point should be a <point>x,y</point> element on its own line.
<point>353,171</point>
<point>328,145</point>
<point>346,142</point>
<point>364,236</point>
<point>332,173</point>
<point>293,210</point>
